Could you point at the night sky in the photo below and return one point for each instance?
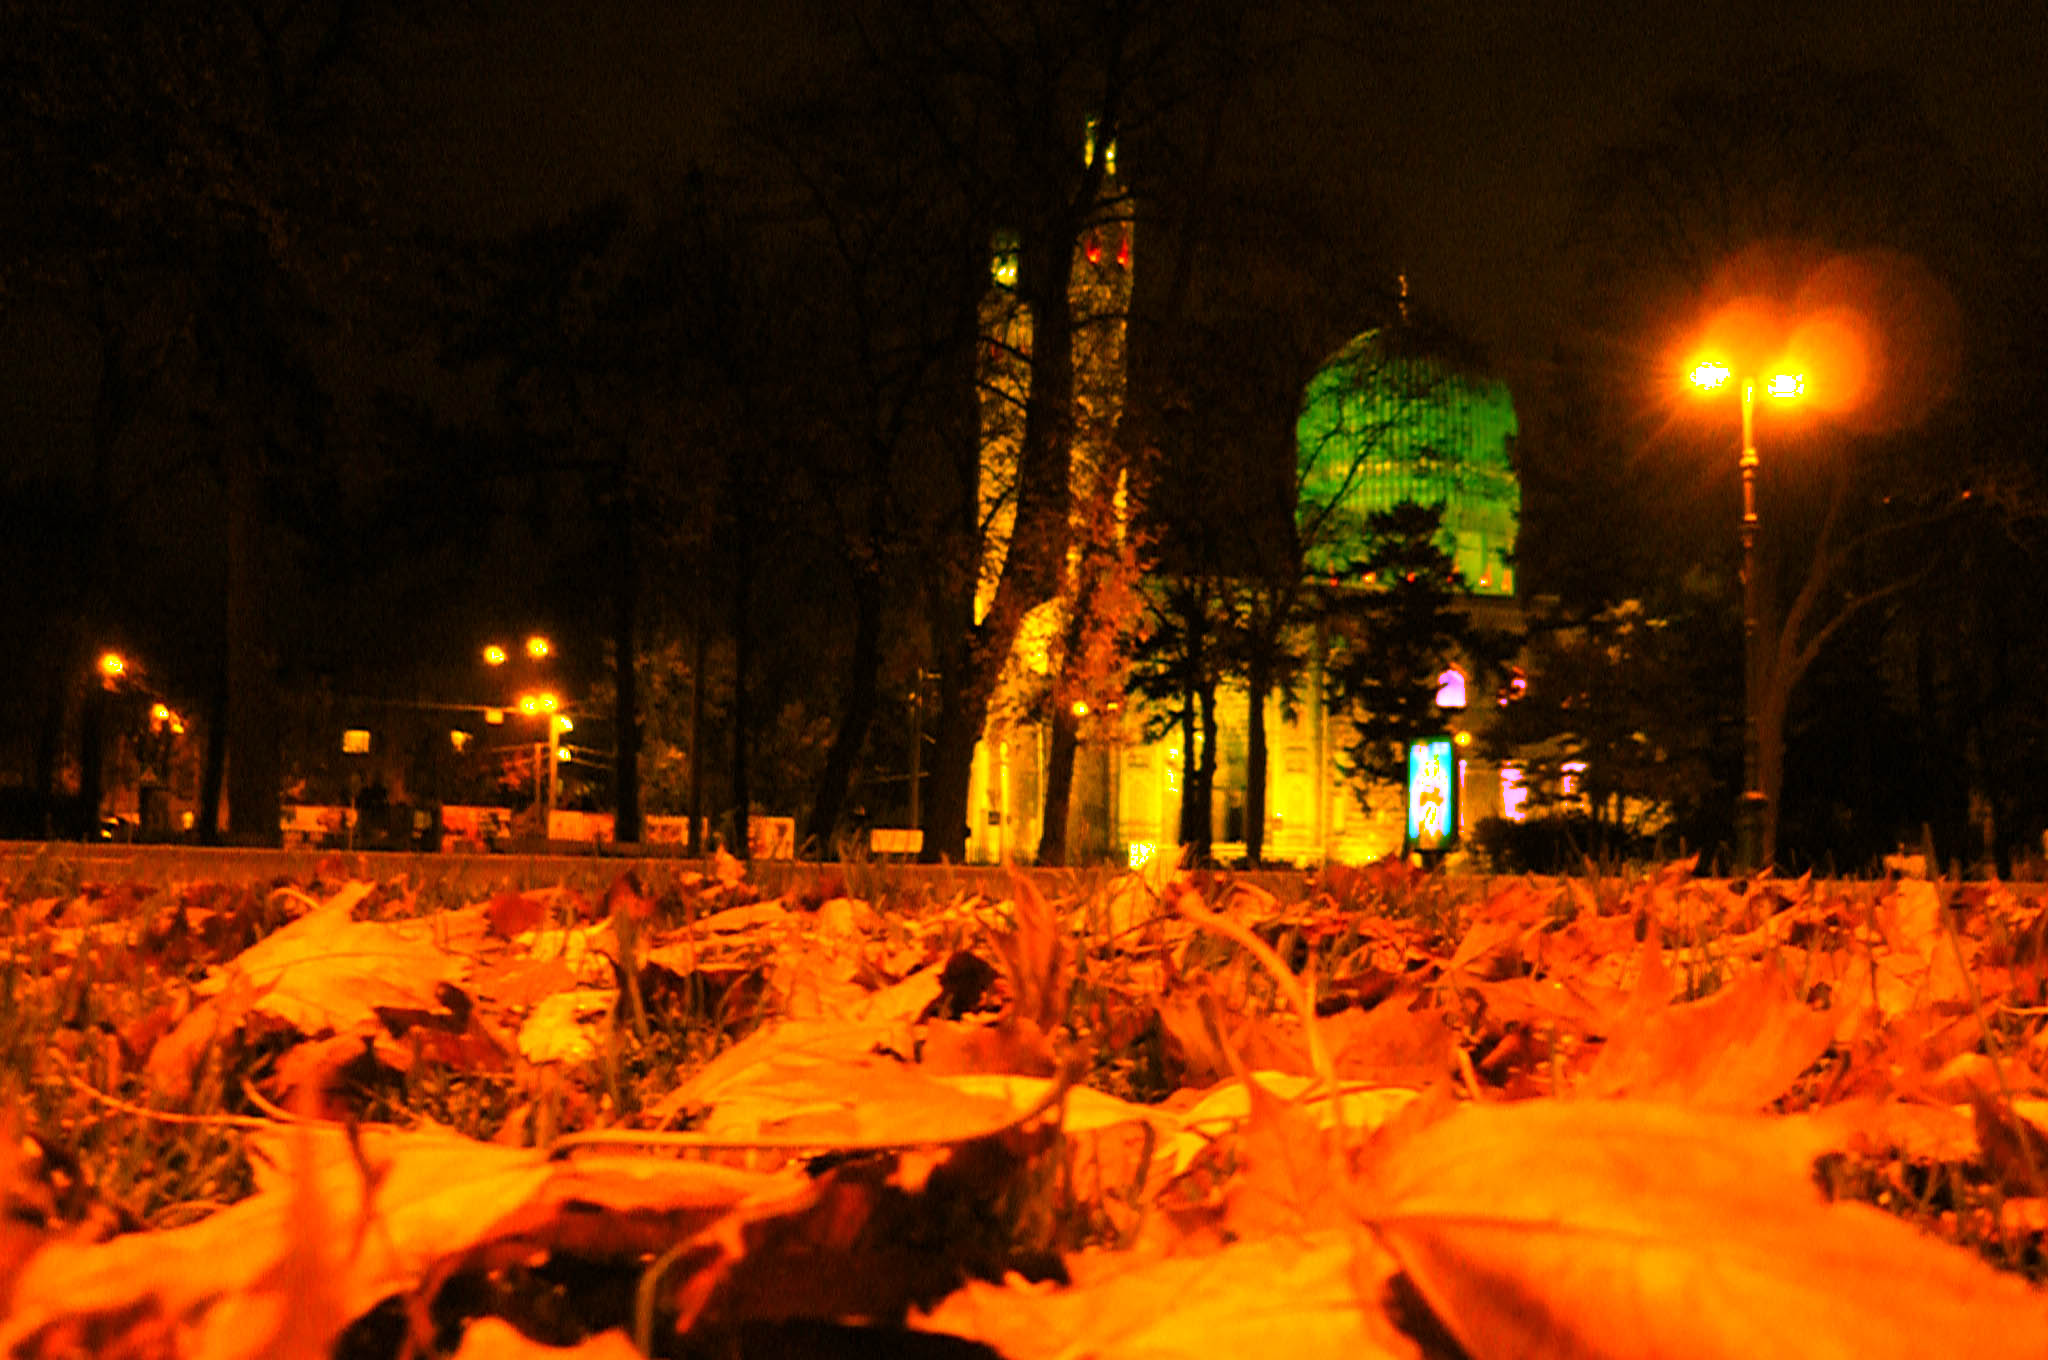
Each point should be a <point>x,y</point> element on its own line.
<point>1472,127</point>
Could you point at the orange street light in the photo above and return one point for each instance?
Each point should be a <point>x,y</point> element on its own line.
<point>494,655</point>
<point>1750,806</point>
<point>540,704</point>
<point>112,667</point>
<point>538,648</point>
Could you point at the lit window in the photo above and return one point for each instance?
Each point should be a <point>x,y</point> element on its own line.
<point>1514,795</point>
<point>1139,854</point>
<point>1571,770</point>
<point>1450,689</point>
<point>356,741</point>
<point>1003,265</point>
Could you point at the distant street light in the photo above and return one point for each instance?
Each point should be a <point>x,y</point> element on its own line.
<point>1751,806</point>
<point>494,655</point>
<point>538,648</point>
<point>544,704</point>
<point>112,666</point>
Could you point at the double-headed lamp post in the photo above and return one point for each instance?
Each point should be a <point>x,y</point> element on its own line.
<point>1750,808</point>
<point>546,705</point>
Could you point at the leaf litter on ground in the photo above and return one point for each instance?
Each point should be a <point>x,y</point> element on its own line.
<point>1165,1115</point>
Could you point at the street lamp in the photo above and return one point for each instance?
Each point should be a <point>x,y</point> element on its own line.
<point>1750,808</point>
<point>544,704</point>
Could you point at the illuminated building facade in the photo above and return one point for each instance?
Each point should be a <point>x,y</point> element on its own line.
<point>1378,426</point>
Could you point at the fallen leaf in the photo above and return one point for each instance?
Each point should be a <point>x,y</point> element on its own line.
<point>1630,1229</point>
<point>512,914</point>
<point>1315,1295</point>
<point>432,1197</point>
<point>1739,1049</point>
<point>568,1027</point>
<point>496,1339</point>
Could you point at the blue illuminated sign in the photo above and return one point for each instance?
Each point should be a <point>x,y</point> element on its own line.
<point>1432,794</point>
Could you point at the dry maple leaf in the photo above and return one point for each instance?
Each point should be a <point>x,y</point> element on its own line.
<point>496,1339</point>
<point>429,1199</point>
<point>1035,958</point>
<point>1628,1229</point>
<point>1739,1049</point>
<point>1309,1296</point>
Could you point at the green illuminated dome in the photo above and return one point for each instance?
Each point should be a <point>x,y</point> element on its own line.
<point>1378,427</point>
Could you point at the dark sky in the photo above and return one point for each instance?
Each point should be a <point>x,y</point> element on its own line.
<point>1476,123</point>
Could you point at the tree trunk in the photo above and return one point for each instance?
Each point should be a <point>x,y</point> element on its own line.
<point>961,716</point>
<point>1059,784</point>
<point>251,718</point>
<point>91,760</point>
<point>1038,540</point>
<point>863,697</point>
<point>50,736</point>
<point>1066,727</point>
<point>1258,681</point>
<point>1770,748</point>
<point>626,827</point>
<point>699,647</point>
<point>742,663</point>
<point>213,766</point>
<point>1203,783</point>
<point>1190,752</point>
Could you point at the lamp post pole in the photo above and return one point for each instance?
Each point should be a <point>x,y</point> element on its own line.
<point>554,763</point>
<point>1753,804</point>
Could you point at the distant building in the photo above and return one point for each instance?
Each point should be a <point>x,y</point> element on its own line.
<point>1381,423</point>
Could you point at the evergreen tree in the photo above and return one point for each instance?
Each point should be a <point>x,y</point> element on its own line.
<point>1392,639</point>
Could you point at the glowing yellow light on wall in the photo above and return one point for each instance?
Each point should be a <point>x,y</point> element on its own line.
<point>1711,373</point>
<point>1139,853</point>
<point>1785,386</point>
<point>494,655</point>
<point>112,665</point>
<point>538,648</point>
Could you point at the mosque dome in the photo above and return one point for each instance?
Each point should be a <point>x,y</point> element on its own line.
<point>1384,422</point>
